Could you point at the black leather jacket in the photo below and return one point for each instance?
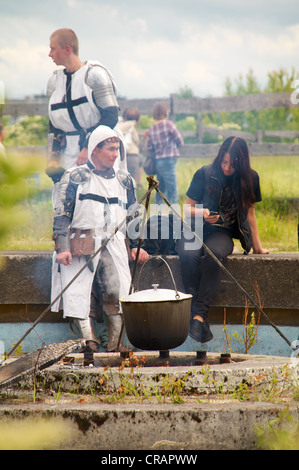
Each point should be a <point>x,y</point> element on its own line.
<point>206,189</point>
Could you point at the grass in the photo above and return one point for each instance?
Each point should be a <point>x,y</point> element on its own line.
<point>277,223</point>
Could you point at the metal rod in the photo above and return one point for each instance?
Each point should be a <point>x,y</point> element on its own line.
<point>141,233</point>
<point>154,184</point>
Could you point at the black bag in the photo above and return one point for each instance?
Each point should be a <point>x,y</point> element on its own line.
<point>149,166</point>
<point>157,244</point>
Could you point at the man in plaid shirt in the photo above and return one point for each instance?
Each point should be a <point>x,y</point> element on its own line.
<point>163,143</point>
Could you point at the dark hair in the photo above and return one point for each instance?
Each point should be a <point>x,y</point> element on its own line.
<point>160,110</point>
<point>110,140</point>
<point>131,114</point>
<point>238,151</point>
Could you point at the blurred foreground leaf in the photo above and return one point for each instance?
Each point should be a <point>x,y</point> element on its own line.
<point>15,187</point>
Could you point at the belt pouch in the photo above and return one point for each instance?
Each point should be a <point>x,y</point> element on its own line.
<point>82,242</point>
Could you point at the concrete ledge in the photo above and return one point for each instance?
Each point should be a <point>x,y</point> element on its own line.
<point>194,424</point>
<point>26,282</point>
<point>200,377</point>
<point>215,426</point>
<point>152,428</point>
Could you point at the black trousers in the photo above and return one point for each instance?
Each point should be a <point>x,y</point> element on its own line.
<point>200,272</point>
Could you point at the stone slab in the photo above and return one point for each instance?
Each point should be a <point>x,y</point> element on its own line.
<point>147,428</point>
<point>26,278</point>
<point>219,424</point>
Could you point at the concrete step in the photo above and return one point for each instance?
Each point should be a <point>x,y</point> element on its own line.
<point>83,415</point>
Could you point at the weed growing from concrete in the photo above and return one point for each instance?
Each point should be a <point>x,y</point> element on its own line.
<point>128,382</point>
<point>248,338</point>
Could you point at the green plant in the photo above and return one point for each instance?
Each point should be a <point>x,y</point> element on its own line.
<point>128,383</point>
<point>242,392</point>
<point>276,436</point>
<point>14,188</point>
<point>29,130</point>
<point>18,350</point>
<point>173,389</point>
<point>34,374</point>
<point>248,337</point>
<point>58,394</point>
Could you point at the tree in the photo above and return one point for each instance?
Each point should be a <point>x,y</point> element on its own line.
<point>269,119</point>
<point>281,118</point>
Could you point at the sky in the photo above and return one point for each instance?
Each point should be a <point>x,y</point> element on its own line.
<point>151,48</point>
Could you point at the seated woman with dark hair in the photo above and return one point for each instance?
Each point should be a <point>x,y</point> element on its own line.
<point>227,190</point>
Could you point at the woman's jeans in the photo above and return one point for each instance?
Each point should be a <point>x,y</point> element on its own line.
<point>201,273</point>
<point>166,175</point>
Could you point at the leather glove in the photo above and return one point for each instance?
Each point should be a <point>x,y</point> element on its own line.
<point>55,173</point>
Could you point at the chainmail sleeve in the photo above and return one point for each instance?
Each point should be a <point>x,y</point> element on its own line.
<point>63,212</point>
<point>134,222</point>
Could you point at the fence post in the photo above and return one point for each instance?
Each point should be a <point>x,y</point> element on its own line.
<point>199,128</point>
<point>259,136</point>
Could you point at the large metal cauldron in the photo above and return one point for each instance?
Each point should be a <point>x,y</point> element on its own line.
<point>157,319</point>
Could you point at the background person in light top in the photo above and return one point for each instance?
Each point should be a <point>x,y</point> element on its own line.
<point>127,124</point>
<point>163,143</point>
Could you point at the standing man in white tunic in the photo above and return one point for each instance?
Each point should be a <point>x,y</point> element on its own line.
<point>82,96</point>
<point>93,200</point>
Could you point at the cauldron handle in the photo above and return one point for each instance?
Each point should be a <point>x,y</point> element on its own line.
<point>177,295</point>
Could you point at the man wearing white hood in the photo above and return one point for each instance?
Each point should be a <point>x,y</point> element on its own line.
<point>91,202</point>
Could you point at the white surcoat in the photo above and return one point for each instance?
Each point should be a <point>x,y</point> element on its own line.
<point>101,204</point>
<point>72,107</point>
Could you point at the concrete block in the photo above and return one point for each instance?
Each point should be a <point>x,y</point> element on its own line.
<point>26,279</point>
